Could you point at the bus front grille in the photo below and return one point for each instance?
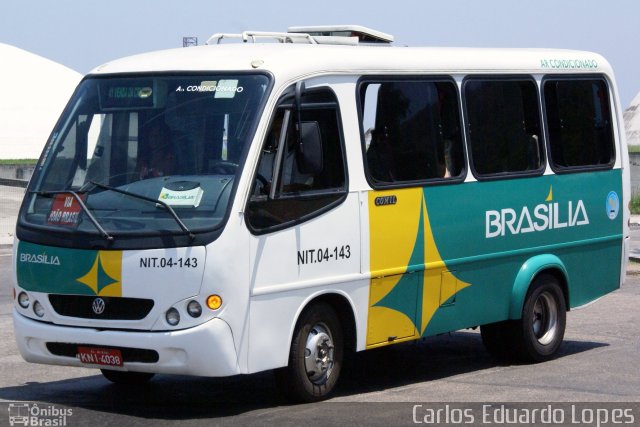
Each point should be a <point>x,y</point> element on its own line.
<point>110,308</point>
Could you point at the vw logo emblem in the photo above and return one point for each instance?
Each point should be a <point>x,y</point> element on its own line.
<point>98,306</point>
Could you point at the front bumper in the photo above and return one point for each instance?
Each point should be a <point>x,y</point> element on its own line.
<point>205,350</point>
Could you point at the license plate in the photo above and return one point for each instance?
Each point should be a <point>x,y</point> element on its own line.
<point>100,356</point>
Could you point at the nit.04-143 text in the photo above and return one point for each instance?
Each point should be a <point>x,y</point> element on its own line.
<point>316,256</point>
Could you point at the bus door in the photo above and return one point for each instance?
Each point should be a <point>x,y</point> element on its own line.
<point>304,223</point>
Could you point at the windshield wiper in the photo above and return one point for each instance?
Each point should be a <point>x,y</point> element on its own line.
<point>84,208</point>
<point>149,199</point>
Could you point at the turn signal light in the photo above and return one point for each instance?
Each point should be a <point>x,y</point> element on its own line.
<point>214,302</point>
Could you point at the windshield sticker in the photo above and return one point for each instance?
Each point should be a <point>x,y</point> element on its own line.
<point>65,210</point>
<point>569,64</point>
<point>222,88</point>
<point>227,89</point>
<point>190,197</point>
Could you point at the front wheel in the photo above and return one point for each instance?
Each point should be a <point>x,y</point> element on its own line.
<point>315,357</point>
<point>540,332</point>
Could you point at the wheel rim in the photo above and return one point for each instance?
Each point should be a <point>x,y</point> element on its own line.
<point>545,318</point>
<point>318,354</point>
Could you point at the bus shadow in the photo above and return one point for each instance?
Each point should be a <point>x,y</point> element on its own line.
<point>183,398</point>
<point>430,359</point>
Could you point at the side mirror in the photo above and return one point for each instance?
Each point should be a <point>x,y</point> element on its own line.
<point>309,151</point>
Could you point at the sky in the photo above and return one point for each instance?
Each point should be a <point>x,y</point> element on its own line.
<point>83,34</point>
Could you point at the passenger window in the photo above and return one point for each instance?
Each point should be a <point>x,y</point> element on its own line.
<point>579,122</point>
<point>503,126</point>
<point>301,171</point>
<point>412,131</point>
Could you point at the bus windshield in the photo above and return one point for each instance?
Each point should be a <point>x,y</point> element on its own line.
<point>146,154</point>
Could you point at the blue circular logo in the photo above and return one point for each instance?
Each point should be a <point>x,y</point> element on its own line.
<point>613,205</point>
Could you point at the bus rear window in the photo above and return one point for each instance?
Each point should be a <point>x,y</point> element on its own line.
<point>579,123</point>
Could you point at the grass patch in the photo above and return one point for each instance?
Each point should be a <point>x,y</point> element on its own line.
<point>634,148</point>
<point>18,161</point>
<point>635,204</point>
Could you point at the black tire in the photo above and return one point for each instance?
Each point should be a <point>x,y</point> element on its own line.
<point>498,339</point>
<point>318,331</point>
<point>126,377</point>
<point>539,333</point>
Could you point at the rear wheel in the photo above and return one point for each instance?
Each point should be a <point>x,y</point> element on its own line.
<point>537,335</point>
<point>540,332</point>
<point>315,357</point>
<point>126,377</point>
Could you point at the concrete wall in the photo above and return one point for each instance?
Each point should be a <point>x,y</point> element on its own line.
<point>13,180</point>
<point>21,172</point>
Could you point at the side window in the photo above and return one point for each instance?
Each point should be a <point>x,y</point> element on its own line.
<point>503,126</point>
<point>301,171</point>
<point>412,130</point>
<point>579,123</point>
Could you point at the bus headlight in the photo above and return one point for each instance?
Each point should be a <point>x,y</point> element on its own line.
<point>194,309</point>
<point>172,316</point>
<point>23,300</point>
<point>38,309</point>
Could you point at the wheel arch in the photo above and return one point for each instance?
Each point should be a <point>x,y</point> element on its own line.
<point>343,307</point>
<point>532,268</point>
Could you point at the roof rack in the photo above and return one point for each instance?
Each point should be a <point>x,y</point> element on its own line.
<point>326,34</point>
<point>253,36</point>
<point>364,34</point>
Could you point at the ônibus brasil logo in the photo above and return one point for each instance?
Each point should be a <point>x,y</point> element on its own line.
<point>545,216</point>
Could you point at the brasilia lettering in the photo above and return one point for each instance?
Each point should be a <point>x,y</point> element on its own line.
<point>40,259</point>
<point>545,217</point>
<point>177,197</point>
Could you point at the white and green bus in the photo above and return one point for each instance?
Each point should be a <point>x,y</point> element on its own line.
<point>249,205</point>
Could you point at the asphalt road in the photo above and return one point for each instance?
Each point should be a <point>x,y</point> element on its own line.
<point>598,363</point>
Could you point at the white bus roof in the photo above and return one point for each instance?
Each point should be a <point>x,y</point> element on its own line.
<point>292,60</point>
